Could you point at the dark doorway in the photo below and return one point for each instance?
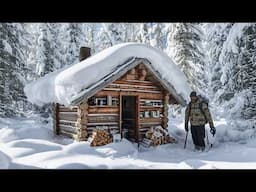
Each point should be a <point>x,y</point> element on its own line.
<point>129,117</point>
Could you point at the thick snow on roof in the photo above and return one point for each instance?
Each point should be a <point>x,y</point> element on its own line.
<point>63,85</point>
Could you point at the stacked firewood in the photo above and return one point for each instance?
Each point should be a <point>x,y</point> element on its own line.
<point>99,138</point>
<point>157,136</point>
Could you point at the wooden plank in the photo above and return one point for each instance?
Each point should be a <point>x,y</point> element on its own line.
<point>67,128</point>
<point>67,110</point>
<point>56,118</point>
<point>137,120</point>
<point>68,117</point>
<point>102,114</point>
<point>68,134</point>
<point>67,121</point>
<point>158,96</point>
<point>104,118</point>
<point>105,93</point>
<point>120,114</point>
<point>134,82</point>
<point>103,110</point>
<point>103,123</point>
<point>132,90</point>
<point>124,86</point>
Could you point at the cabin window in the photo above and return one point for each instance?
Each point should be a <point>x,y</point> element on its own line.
<point>115,101</point>
<point>91,101</point>
<point>101,101</point>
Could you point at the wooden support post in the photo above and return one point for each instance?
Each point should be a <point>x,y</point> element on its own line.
<point>120,114</point>
<point>82,121</point>
<point>165,113</point>
<point>138,118</point>
<point>56,118</point>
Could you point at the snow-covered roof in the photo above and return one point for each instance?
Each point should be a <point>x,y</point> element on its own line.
<point>66,86</point>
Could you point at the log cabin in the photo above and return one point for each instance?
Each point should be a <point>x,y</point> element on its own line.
<point>128,101</point>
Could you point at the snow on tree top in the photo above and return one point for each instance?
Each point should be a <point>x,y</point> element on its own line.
<point>64,85</point>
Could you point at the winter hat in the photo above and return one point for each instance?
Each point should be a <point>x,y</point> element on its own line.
<point>193,94</point>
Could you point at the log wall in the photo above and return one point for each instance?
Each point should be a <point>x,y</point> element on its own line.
<point>152,107</point>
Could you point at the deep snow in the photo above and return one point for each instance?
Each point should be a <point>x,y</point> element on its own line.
<point>63,85</point>
<point>26,143</point>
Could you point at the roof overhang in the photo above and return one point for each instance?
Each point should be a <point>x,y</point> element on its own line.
<point>118,72</point>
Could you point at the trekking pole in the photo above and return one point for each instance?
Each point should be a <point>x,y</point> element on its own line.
<point>186,140</point>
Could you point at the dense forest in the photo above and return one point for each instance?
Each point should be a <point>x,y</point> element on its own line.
<point>218,59</point>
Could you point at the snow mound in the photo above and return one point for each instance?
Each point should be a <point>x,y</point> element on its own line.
<point>122,148</point>
<point>4,161</point>
<point>63,85</point>
<point>11,129</point>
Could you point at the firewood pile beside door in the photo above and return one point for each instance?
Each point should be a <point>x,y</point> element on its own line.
<point>156,136</point>
<point>99,138</point>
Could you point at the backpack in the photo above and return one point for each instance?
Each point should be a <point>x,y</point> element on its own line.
<point>202,100</point>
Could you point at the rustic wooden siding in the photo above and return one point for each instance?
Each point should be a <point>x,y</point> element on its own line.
<point>137,82</point>
<point>67,121</point>
<point>78,122</point>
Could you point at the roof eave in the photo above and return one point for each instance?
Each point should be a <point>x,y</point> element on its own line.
<point>117,73</point>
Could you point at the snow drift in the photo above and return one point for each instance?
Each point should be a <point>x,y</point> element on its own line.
<point>61,86</point>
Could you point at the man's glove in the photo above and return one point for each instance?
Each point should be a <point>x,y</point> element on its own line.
<point>213,131</point>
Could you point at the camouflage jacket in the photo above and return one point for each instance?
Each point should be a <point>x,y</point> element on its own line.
<point>196,117</point>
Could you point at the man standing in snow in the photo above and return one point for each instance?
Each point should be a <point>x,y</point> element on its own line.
<point>198,114</point>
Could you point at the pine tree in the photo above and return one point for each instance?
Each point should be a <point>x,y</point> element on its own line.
<point>184,46</point>
<point>238,77</point>
<point>216,35</point>
<point>13,45</point>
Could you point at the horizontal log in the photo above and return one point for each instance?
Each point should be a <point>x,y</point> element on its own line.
<point>146,96</point>
<point>68,134</point>
<point>131,90</point>
<point>135,82</point>
<point>66,122</point>
<point>125,86</point>
<point>102,114</point>
<point>102,124</point>
<point>68,117</point>
<point>103,119</point>
<point>115,94</point>
<point>111,109</point>
<point>102,93</point>
<point>66,128</point>
<point>68,112</point>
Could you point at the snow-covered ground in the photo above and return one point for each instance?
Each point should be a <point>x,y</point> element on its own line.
<point>27,144</point>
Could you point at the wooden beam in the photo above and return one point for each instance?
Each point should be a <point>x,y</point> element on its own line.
<point>82,120</point>
<point>102,114</point>
<point>105,118</point>
<point>120,114</point>
<point>67,128</point>
<point>132,90</point>
<point>123,86</point>
<point>137,119</point>
<point>165,112</point>
<point>68,134</point>
<point>103,123</point>
<point>67,118</point>
<point>56,118</point>
<point>101,110</point>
